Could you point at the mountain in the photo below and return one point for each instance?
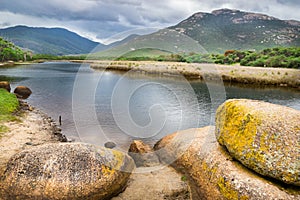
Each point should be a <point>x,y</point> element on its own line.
<point>123,41</point>
<point>234,29</point>
<point>217,32</point>
<point>55,41</point>
<point>166,40</point>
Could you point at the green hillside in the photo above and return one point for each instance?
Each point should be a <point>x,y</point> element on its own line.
<point>165,40</point>
<point>216,32</point>
<point>54,41</point>
<point>10,52</point>
<point>144,54</point>
<point>233,29</point>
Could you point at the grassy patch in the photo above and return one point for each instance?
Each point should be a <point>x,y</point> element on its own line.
<point>9,103</point>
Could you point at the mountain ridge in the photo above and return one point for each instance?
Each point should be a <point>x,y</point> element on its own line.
<point>234,29</point>
<point>55,41</point>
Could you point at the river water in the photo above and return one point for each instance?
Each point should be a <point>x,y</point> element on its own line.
<point>101,106</point>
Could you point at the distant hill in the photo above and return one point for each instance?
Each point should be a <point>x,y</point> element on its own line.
<point>146,52</point>
<point>233,29</point>
<point>217,32</point>
<point>55,41</point>
<point>164,40</point>
<point>123,41</point>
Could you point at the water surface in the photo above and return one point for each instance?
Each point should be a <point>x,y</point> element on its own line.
<point>119,107</point>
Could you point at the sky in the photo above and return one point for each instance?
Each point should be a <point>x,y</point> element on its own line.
<point>109,20</point>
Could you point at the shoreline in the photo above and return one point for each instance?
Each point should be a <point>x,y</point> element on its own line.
<point>235,74</point>
<point>281,77</point>
<point>32,129</point>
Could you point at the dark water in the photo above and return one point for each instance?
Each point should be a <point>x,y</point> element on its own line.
<point>99,106</point>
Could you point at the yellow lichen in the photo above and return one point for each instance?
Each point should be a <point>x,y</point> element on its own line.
<point>119,159</point>
<point>239,131</point>
<point>226,190</point>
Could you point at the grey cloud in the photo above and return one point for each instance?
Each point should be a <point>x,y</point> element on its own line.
<point>103,18</point>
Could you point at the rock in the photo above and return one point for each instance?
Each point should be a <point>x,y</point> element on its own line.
<point>22,92</point>
<point>155,183</point>
<point>5,85</point>
<point>211,171</point>
<point>110,145</point>
<point>142,154</point>
<point>66,171</point>
<point>262,136</point>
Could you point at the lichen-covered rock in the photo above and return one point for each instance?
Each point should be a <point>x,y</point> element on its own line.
<point>5,85</point>
<point>262,136</point>
<point>212,172</point>
<point>142,154</point>
<point>66,171</point>
<point>22,92</point>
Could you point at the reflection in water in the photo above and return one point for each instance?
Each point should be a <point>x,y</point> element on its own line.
<point>156,99</point>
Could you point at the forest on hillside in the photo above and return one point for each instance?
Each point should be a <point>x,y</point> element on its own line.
<point>10,52</point>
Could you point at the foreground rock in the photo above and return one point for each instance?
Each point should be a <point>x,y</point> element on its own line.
<point>22,92</point>
<point>32,128</point>
<point>262,136</point>
<point>156,183</point>
<point>212,172</point>
<point>66,171</point>
<point>142,154</point>
<point>5,85</point>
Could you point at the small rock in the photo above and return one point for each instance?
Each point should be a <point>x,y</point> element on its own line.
<point>66,171</point>
<point>110,145</point>
<point>142,154</point>
<point>22,92</point>
<point>5,85</point>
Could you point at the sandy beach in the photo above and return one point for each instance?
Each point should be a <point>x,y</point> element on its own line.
<point>33,128</point>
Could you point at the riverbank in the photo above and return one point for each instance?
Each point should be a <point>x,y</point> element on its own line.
<point>228,73</point>
<point>32,128</point>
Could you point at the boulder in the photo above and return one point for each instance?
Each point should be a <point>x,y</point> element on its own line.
<point>66,171</point>
<point>110,145</point>
<point>142,154</point>
<point>211,171</point>
<point>5,85</point>
<point>22,92</point>
<point>264,137</point>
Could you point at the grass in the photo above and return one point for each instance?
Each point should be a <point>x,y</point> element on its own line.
<point>9,104</point>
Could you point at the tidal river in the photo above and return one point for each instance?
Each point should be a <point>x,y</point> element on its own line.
<point>101,106</point>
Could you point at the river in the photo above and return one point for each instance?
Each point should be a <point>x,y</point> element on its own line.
<point>101,106</point>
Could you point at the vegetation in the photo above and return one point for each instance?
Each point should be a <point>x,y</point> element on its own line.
<point>285,57</point>
<point>8,51</point>
<point>9,104</point>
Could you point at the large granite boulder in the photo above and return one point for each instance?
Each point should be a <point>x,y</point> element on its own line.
<point>5,85</point>
<point>66,171</point>
<point>262,136</point>
<point>212,172</point>
<point>22,92</point>
<point>142,154</point>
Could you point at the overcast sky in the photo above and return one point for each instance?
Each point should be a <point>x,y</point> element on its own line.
<point>107,20</point>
